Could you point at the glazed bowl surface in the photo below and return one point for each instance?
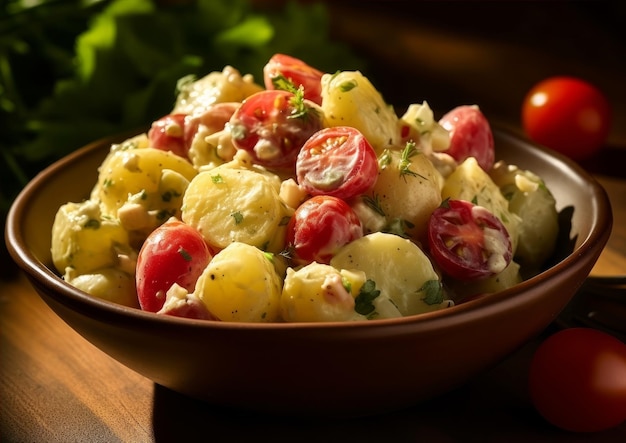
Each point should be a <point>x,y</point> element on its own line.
<point>325,369</point>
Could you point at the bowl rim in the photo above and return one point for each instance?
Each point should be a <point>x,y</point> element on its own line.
<point>40,274</point>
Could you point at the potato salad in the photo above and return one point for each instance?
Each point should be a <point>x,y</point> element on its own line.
<point>303,198</point>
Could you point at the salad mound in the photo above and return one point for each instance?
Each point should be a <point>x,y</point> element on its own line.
<point>303,198</point>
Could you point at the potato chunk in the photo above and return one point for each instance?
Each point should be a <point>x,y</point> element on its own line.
<point>153,178</point>
<point>84,239</point>
<point>350,99</point>
<point>236,205</point>
<point>318,292</point>
<point>406,192</point>
<point>240,284</point>
<point>403,274</point>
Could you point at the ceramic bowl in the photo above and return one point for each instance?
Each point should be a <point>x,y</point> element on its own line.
<point>325,369</point>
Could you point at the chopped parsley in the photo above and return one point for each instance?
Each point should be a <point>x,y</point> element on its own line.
<point>348,85</point>
<point>346,284</point>
<point>300,108</point>
<point>92,223</point>
<point>217,179</point>
<point>374,204</point>
<point>363,303</point>
<point>409,151</point>
<point>433,292</point>
<point>238,216</point>
<point>399,227</point>
<point>184,254</point>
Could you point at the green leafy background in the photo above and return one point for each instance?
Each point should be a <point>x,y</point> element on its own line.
<point>75,71</point>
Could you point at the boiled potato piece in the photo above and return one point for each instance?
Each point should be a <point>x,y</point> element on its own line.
<point>471,183</point>
<point>142,173</point>
<point>240,284</point>
<point>319,292</point>
<point>84,239</point>
<point>400,270</point>
<point>406,192</point>
<point>509,277</point>
<point>224,86</point>
<point>424,129</point>
<point>350,99</point>
<point>236,205</point>
<point>534,204</point>
<point>108,284</point>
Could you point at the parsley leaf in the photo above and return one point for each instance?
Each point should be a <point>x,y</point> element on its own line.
<point>238,216</point>
<point>363,303</point>
<point>433,292</point>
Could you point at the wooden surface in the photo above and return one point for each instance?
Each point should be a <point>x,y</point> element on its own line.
<point>57,387</point>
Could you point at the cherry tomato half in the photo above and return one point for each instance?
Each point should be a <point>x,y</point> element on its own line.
<point>273,125</point>
<point>568,115</point>
<point>174,252</point>
<point>470,135</point>
<point>467,241</point>
<point>337,161</point>
<point>169,134</point>
<point>319,227</point>
<point>298,72</point>
<point>577,380</point>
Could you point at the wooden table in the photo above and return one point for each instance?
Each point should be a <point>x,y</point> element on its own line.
<point>57,387</point>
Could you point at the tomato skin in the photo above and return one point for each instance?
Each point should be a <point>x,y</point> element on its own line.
<point>577,380</point>
<point>470,135</point>
<point>567,114</point>
<point>300,74</point>
<point>457,241</point>
<point>337,161</point>
<point>173,253</point>
<point>265,126</point>
<point>169,134</point>
<point>319,227</point>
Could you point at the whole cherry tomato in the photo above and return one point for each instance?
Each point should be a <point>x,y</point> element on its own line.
<point>467,241</point>
<point>568,115</point>
<point>298,72</point>
<point>174,252</point>
<point>577,380</point>
<point>319,227</point>
<point>470,135</point>
<point>337,161</point>
<point>273,125</point>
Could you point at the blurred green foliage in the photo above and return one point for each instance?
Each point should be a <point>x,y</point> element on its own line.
<point>73,71</point>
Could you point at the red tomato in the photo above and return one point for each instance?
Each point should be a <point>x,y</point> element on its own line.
<point>214,119</point>
<point>273,125</point>
<point>319,227</point>
<point>577,380</point>
<point>298,72</point>
<point>568,115</point>
<point>168,134</point>
<point>470,135</point>
<point>173,253</point>
<point>337,161</point>
<point>467,241</point>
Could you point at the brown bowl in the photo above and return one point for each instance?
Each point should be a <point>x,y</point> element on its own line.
<point>331,369</point>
